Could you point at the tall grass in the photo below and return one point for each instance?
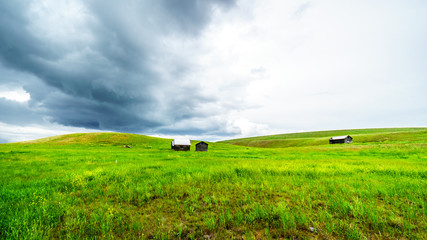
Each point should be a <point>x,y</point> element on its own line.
<point>89,186</point>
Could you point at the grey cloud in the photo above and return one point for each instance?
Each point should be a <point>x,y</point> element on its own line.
<point>209,127</point>
<point>87,113</point>
<point>197,131</point>
<point>191,15</point>
<point>18,113</point>
<point>123,78</point>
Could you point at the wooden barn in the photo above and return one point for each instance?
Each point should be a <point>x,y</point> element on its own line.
<point>181,144</point>
<point>341,139</point>
<point>202,146</point>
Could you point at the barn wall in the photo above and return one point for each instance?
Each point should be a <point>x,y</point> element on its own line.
<point>202,147</point>
<point>346,140</point>
<point>337,141</point>
<point>181,147</point>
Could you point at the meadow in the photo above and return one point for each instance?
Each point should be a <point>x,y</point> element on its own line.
<point>271,187</point>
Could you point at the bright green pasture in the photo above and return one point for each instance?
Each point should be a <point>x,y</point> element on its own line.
<point>361,136</point>
<point>89,186</point>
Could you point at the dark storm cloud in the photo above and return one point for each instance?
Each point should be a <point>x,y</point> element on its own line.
<point>13,112</point>
<point>180,16</point>
<point>192,15</point>
<point>119,75</point>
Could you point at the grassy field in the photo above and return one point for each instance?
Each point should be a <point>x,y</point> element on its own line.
<point>362,136</point>
<point>283,186</point>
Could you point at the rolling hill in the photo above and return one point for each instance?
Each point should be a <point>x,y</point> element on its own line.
<point>360,136</point>
<point>286,186</point>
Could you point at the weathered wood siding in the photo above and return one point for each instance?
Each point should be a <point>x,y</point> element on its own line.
<point>202,146</point>
<point>181,147</point>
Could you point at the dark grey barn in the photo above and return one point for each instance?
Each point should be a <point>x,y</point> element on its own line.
<point>341,139</point>
<point>202,146</point>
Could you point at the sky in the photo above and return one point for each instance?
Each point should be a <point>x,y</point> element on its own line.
<point>210,69</point>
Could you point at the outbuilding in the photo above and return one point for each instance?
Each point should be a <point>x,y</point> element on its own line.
<point>202,146</point>
<point>181,144</point>
<point>341,139</point>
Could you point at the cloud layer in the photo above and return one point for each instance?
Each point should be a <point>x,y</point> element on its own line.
<point>108,66</point>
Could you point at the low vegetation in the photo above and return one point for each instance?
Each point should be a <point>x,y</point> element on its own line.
<point>294,186</point>
<point>362,136</point>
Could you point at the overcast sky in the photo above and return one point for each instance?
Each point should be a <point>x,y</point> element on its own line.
<point>210,69</point>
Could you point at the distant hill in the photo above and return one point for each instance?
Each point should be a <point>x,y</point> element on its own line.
<point>360,136</point>
<point>303,139</point>
<point>99,139</point>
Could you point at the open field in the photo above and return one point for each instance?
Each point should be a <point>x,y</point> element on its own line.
<point>362,136</point>
<point>288,186</point>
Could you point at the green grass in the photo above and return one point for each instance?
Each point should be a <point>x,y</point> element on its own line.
<point>366,136</point>
<point>89,186</point>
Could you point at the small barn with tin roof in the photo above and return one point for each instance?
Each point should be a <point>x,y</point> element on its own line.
<point>181,144</point>
<point>341,139</point>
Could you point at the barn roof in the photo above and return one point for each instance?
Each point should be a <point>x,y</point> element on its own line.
<point>201,143</point>
<point>339,137</point>
<point>181,141</point>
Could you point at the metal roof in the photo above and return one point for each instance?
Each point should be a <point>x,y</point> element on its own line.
<point>181,141</point>
<point>339,137</point>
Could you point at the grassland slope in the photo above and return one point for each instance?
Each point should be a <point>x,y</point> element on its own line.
<point>88,186</point>
<point>99,139</point>
<point>360,136</point>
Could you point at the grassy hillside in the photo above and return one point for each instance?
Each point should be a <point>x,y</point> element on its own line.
<point>360,136</point>
<point>99,139</point>
<point>90,186</point>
